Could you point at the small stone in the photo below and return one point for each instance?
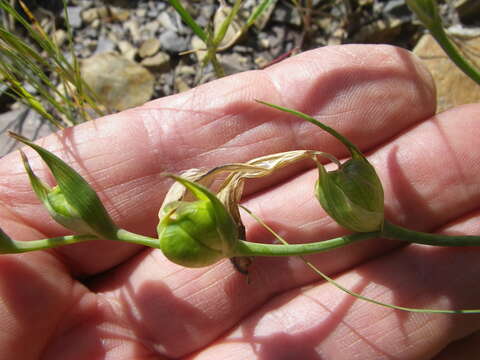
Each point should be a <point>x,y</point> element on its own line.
<point>453,86</point>
<point>149,48</point>
<point>134,29</point>
<point>95,24</point>
<point>150,29</point>
<point>59,37</point>
<point>197,44</point>
<point>233,63</point>
<point>171,42</point>
<point>32,126</point>
<point>166,21</point>
<point>141,12</point>
<point>261,62</point>
<point>157,63</point>
<point>120,83</point>
<point>127,50</point>
<point>119,14</point>
<point>89,15</point>
<point>103,12</point>
<point>181,85</point>
<point>74,16</point>
<point>104,45</point>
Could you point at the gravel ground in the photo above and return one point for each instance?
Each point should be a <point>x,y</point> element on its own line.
<point>150,35</point>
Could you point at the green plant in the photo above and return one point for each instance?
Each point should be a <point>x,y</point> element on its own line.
<point>213,37</point>
<point>427,12</point>
<point>63,103</point>
<point>208,229</point>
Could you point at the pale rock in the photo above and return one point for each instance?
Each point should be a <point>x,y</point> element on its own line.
<point>89,15</point>
<point>120,83</point>
<point>166,21</point>
<point>127,50</point>
<point>199,46</point>
<point>150,29</point>
<point>103,12</point>
<point>74,16</point>
<point>171,42</point>
<point>157,63</point>
<point>59,37</point>
<point>181,85</point>
<point>134,29</point>
<point>119,14</point>
<point>149,48</point>
<point>453,86</point>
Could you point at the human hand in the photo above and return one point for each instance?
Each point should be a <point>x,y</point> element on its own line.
<point>110,300</point>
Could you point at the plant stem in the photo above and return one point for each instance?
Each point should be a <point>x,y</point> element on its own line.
<point>454,54</point>
<point>396,232</point>
<point>127,236</point>
<point>246,248</point>
<point>350,146</point>
<point>24,246</point>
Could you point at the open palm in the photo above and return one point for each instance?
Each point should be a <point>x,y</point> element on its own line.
<point>108,300</point>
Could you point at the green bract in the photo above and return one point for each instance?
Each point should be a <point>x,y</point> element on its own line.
<point>197,233</point>
<point>72,203</point>
<point>352,195</point>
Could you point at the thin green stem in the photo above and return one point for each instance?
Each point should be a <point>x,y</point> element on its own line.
<point>246,248</point>
<point>25,246</point>
<point>353,149</point>
<point>357,295</point>
<point>127,236</point>
<point>454,54</point>
<point>188,19</point>
<point>396,232</point>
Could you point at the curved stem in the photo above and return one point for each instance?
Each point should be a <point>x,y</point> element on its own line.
<point>454,54</point>
<point>395,232</point>
<point>15,246</point>
<point>353,149</point>
<point>246,248</point>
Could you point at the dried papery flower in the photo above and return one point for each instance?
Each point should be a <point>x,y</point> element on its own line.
<point>189,248</point>
<point>353,194</point>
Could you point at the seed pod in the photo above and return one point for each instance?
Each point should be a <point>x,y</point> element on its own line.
<point>197,233</point>
<point>352,195</point>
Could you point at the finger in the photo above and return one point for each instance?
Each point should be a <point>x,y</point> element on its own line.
<point>359,90</point>
<point>296,213</point>
<point>465,349</point>
<point>35,294</point>
<point>321,321</point>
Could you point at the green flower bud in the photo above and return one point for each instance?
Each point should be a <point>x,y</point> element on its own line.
<point>352,195</point>
<point>72,203</point>
<point>197,233</point>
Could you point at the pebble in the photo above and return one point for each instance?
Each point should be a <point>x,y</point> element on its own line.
<point>172,42</point>
<point>149,48</point>
<point>121,83</point>
<point>74,16</point>
<point>127,50</point>
<point>453,86</point>
<point>157,63</point>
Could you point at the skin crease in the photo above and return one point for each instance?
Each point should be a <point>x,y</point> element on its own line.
<point>104,300</point>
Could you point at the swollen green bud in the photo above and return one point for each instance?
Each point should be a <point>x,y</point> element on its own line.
<point>72,203</point>
<point>352,195</point>
<point>197,233</point>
